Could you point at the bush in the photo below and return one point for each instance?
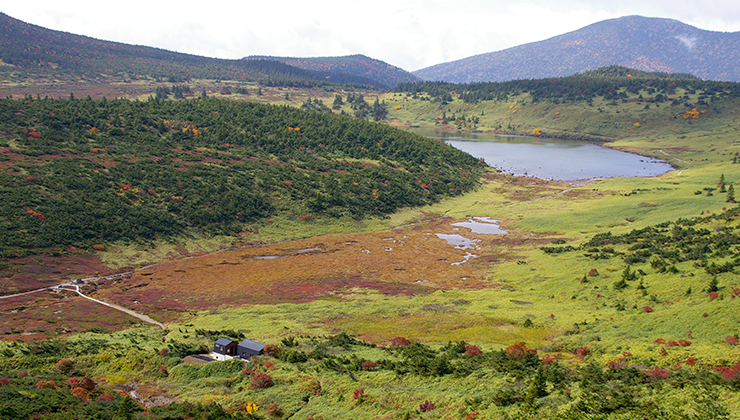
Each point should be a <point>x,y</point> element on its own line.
<point>274,410</point>
<point>261,381</point>
<point>399,342</point>
<point>272,350</point>
<point>426,406</point>
<point>65,366</point>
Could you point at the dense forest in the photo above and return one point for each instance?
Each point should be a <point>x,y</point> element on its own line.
<point>611,83</point>
<point>82,172</point>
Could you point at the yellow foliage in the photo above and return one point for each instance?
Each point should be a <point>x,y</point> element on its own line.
<point>398,107</point>
<point>693,114</point>
<point>252,408</point>
<point>537,132</point>
<point>637,124</point>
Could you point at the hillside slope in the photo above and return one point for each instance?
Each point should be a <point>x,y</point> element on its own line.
<point>34,49</point>
<point>384,74</point>
<point>648,44</point>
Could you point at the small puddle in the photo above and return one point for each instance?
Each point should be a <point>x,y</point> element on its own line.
<point>459,241</point>
<point>482,225</point>
<point>274,257</point>
<point>466,257</point>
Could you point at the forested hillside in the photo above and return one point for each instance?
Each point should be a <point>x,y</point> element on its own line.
<point>384,74</point>
<point>648,44</point>
<point>610,83</point>
<point>85,172</point>
<point>36,50</point>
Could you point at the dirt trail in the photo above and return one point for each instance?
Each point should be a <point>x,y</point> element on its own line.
<point>114,306</point>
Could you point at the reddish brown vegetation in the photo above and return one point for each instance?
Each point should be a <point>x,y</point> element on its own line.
<point>426,406</point>
<point>261,381</point>
<point>399,342</point>
<point>657,374</point>
<point>582,352</point>
<point>519,350</point>
<point>471,350</point>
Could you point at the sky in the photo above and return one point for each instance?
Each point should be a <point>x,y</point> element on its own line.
<point>410,34</point>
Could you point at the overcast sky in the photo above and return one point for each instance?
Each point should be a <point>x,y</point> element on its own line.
<point>411,34</point>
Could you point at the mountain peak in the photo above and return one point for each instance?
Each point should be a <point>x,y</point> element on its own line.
<point>644,43</point>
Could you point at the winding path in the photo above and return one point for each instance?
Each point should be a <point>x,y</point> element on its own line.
<point>142,317</point>
<point>71,287</point>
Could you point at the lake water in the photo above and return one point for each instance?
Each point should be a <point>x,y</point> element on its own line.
<point>556,159</point>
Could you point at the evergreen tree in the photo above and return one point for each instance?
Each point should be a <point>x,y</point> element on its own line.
<point>731,194</point>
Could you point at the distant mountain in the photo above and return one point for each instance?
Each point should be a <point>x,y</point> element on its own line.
<point>36,49</point>
<point>648,44</point>
<point>383,73</point>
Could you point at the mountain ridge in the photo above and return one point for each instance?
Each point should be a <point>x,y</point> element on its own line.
<point>35,49</point>
<point>356,64</point>
<point>648,44</point>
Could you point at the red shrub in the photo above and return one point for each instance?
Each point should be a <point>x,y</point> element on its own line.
<point>305,217</point>
<point>660,341</point>
<point>274,410</point>
<point>519,350</point>
<point>34,135</point>
<point>732,340</point>
<point>288,183</point>
<point>472,350</point>
<point>80,393</point>
<point>164,352</point>
<point>705,314</point>
<point>593,272</point>
<point>647,309</point>
<point>582,352</point>
<point>261,381</point>
<point>87,384</point>
<point>663,352</point>
<point>657,374</point>
<point>713,295</point>
<point>73,382</point>
<point>163,370</point>
<point>547,360</point>
<point>690,361</point>
<point>45,384</point>
<point>359,395</point>
<point>105,399</point>
<point>4,381</point>
<point>399,342</point>
<point>729,374</point>
<point>684,343</point>
<point>426,406</point>
<point>672,343</point>
<point>368,365</point>
<point>617,363</point>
